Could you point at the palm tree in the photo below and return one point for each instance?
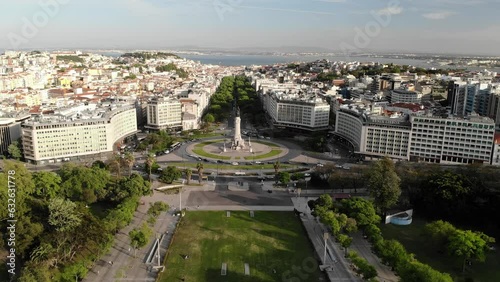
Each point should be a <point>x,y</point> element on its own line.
<point>188,173</point>
<point>128,160</point>
<point>150,160</point>
<point>199,167</point>
<point>276,167</point>
<point>115,165</point>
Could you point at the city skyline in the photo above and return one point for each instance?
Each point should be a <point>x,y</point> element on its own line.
<point>441,26</point>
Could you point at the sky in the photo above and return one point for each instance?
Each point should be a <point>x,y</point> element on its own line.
<point>427,26</point>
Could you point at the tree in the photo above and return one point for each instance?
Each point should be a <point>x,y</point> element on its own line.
<point>383,183</point>
<point>469,245</point>
<point>150,160</point>
<point>284,177</point>
<point>209,118</point>
<point>63,215</point>
<point>99,164</point>
<point>156,208</point>
<point>129,160</point>
<point>47,184</point>
<point>440,232</point>
<point>414,271</point>
<point>199,167</point>
<point>329,218</point>
<point>276,166</point>
<point>345,241</point>
<point>170,174</point>
<point>139,237</point>
<point>393,253</point>
<point>83,183</point>
<point>188,172</point>
<point>361,210</point>
<point>350,225</point>
<point>133,186</point>
<point>115,165</point>
<point>14,150</point>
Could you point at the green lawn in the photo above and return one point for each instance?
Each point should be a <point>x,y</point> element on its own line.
<point>415,242</point>
<point>274,152</point>
<point>270,240</point>
<point>202,153</point>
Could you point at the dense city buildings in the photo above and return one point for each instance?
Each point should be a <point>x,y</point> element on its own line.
<point>398,113</point>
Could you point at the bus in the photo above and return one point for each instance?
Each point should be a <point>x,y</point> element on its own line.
<point>175,146</point>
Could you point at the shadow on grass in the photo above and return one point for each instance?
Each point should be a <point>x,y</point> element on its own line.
<point>214,275</point>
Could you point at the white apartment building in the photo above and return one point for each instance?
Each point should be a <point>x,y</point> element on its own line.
<point>164,113</point>
<point>417,137</point>
<point>307,112</point>
<point>386,136</point>
<point>55,138</point>
<point>405,96</point>
<point>451,140</point>
<point>373,135</point>
<point>495,159</point>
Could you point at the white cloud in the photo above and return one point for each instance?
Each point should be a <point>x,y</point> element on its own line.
<point>438,15</point>
<point>390,11</point>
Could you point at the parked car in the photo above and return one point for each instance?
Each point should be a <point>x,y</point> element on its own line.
<point>235,163</point>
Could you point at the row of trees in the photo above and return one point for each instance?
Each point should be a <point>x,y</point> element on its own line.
<point>460,195</point>
<point>466,244</point>
<point>390,251</point>
<point>344,220</point>
<point>67,219</point>
<point>231,89</point>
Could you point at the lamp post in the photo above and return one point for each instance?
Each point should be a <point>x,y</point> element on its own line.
<point>325,236</point>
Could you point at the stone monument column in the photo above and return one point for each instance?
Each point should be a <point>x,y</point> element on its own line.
<point>238,143</point>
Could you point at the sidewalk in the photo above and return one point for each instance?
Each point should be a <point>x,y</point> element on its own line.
<point>363,248</point>
<point>123,266</point>
<point>338,266</point>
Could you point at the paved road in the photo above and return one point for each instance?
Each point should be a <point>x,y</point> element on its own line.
<point>224,197</point>
<point>363,248</point>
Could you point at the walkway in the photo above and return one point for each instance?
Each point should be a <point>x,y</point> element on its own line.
<point>363,248</point>
<point>124,266</point>
<point>338,267</point>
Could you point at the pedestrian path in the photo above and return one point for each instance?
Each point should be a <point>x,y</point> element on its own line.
<point>336,266</point>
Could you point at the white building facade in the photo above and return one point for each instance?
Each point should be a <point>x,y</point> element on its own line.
<point>292,110</point>
<point>51,139</point>
<point>164,113</point>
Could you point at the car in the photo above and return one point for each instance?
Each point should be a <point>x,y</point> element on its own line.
<point>268,138</point>
<point>235,163</point>
<point>220,162</point>
<point>307,174</point>
<point>160,169</point>
<point>320,165</point>
<point>258,162</point>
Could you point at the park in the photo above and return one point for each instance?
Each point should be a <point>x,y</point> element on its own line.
<point>270,244</point>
